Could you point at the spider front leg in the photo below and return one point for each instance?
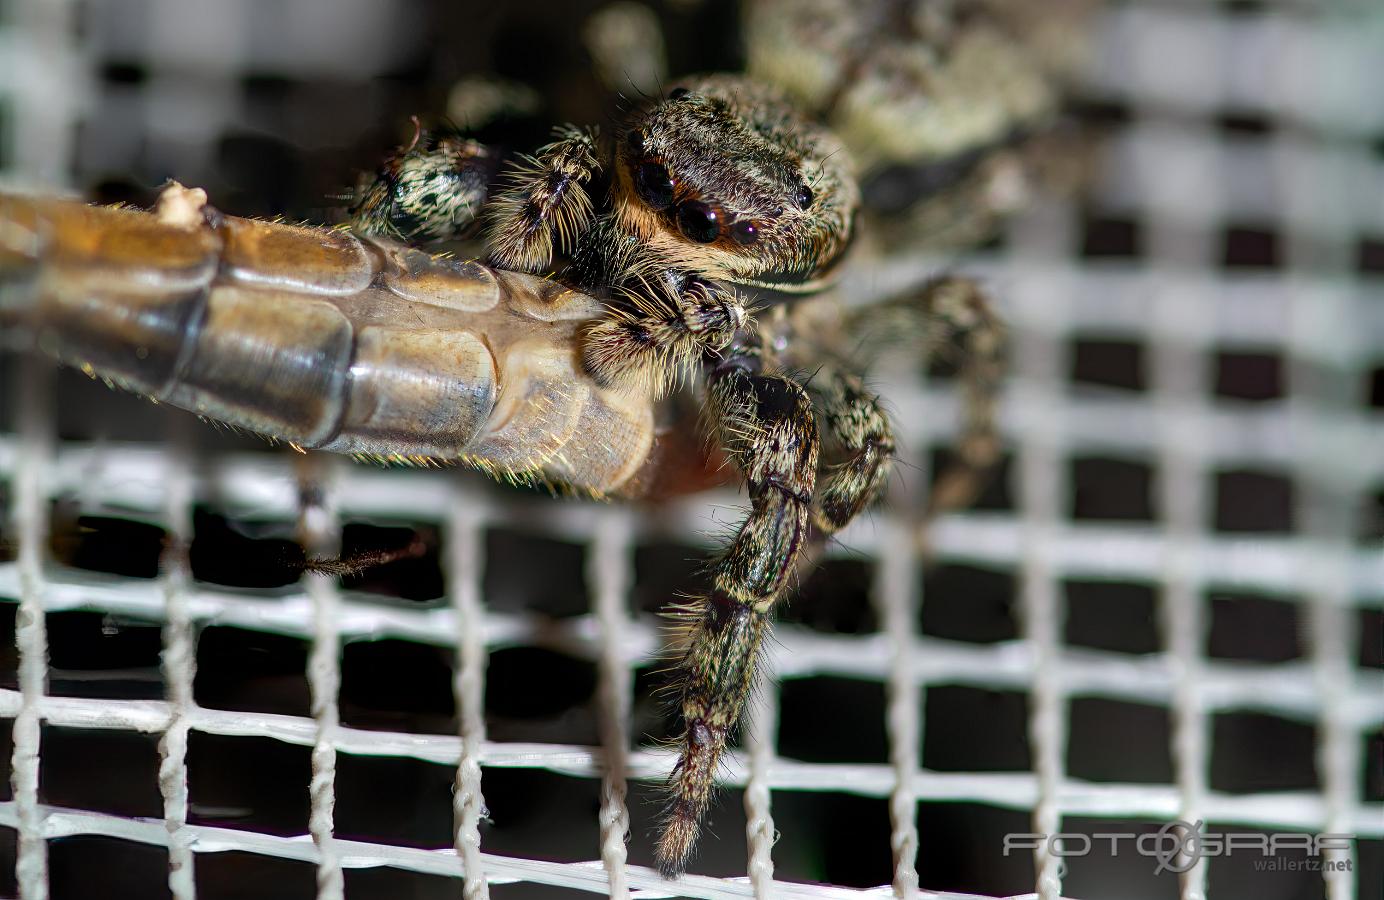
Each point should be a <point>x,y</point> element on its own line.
<point>545,208</point>
<point>767,425</point>
<point>861,430</point>
<point>655,331</point>
<point>953,316</point>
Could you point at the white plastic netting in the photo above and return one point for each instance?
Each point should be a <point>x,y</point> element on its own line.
<point>1172,607</point>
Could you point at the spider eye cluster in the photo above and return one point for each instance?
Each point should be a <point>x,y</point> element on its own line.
<point>698,220</point>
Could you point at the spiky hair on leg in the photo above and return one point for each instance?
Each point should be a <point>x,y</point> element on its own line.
<point>767,425</point>
<point>653,334</point>
<point>544,205</point>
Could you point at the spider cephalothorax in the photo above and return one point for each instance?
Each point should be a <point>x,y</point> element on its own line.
<point>724,179</point>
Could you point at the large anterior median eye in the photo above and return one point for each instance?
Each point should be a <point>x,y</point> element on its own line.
<point>698,222</point>
<point>654,185</point>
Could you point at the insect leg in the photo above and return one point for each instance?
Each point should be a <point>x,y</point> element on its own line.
<point>953,316</point>
<point>430,191</point>
<point>767,425</point>
<point>852,418</point>
<point>545,207</point>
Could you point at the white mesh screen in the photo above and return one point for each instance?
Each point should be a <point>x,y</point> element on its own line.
<point>1171,606</point>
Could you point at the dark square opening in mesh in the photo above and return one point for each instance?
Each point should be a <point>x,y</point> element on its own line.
<point>1254,628</point>
<point>996,485</point>
<point>7,754</point>
<point>1119,616</point>
<point>85,866</point>
<point>826,719</point>
<point>1251,502</point>
<point>1118,741</point>
<point>968,603</point>
<point>251,783</point>
<point>1109,363</point>
<point>533,694</point>
<point>1369,256</point>
<point>117,546</point>
<point>1108,237</point>
<point>70,774</point>
<point>826,836</point>
<point>233,875</point>
<point>515,583</point>
<point>1372,517</point>
<point>1250,247</point>
<point>538,814</point>
<point>244,553</point>
<point>1242,375</point>
<point>417,575</point>
<point>1371,654</point>
<point>1369,860</point>
<point>1251,874</point>
<point>1093,872</point>
<point>94,654</point>
<point>663,571</point>
<point>1239,764</point>
<point>9,652</point>
<point>961,848</point>
<point>834,598</point>
<point>967,729</point>
<point>251,671</point>
<point>1372,780</point>
<point>398,685</point>
<point>1112,489</point>
<point>9,846</point>
<point>398,801</point>
<point>1374,388</point>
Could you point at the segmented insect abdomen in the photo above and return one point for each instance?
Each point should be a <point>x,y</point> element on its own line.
<point>325,340</point>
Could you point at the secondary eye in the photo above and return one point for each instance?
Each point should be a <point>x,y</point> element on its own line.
<point>698,222</point>
<point>744,232</point>
<point>654,185</point>
<point>804,197</point>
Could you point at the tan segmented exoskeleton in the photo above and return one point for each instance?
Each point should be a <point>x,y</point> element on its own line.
<point>326,340</point>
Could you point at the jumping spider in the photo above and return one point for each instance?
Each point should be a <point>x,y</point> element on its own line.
<point>718,186</point>
<point>714,201</point>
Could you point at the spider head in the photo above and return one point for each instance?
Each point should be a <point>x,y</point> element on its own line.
<point>723,178</point>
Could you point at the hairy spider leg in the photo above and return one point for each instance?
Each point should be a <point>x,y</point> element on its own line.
<point>852,419</point>
<point>768,427</point>
<point>953,317</point>
<point>545,207</point>
<point>656,329</point>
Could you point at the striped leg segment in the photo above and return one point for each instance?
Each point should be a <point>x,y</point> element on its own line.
<point>767,424</point>
<point>545,205</point>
